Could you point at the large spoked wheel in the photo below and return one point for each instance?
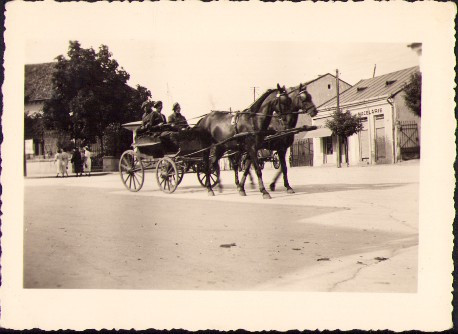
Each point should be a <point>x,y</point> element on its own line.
<point>167,175</point>
<point>276,160</point>
<point>131,171</point>
<point>203,178</point>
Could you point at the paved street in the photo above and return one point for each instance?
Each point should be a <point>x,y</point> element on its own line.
<point>348,229</point>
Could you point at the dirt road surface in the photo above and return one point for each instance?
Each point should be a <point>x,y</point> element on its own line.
<point>348,229</point>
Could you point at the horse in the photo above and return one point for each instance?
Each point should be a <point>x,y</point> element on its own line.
<point>244,131</point>
<point>301,100</point>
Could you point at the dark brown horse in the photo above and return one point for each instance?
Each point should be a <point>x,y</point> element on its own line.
<point>244,131</point>
<point>301,103</point>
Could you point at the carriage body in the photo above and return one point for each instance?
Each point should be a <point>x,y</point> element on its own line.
<point>170,154</point>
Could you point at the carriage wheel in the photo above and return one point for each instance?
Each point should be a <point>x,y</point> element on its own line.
<point>131,171</point>
<point>167,175</point>
<point>181,169</point>
<point>203,178</point>
<point>276,160</point>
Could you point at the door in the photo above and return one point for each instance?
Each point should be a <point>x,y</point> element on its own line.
<point>364,147</point>
<point>380,145</point>
<point>327,149</point>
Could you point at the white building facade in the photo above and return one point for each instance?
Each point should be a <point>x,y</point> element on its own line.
<point>391,132</point>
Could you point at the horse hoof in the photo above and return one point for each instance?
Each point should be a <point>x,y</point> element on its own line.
<point>220,189</point>
<point>290,191</point>
<point>272,187</point>
<point>211,193</point>
<point>266,196</point>
<point>242,193</point>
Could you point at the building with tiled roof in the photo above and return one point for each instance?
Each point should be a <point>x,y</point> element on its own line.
<point>391,131</point>
<point>37,86</point>
<point>321,89</point>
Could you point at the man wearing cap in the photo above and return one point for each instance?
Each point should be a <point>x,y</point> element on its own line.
<point>146,117</point>
<point>176,119</point>
<point>158,117</point>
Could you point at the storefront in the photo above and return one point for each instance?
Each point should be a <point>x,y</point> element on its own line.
<point>380,104</point>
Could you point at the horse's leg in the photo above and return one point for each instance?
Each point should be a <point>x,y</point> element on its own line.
<point>276,176</point>
<point>246,171</point>
<point>234,159</point>
<point>218,153</point>
<point>254,159</point>
<point>278,173</point>
<point>284,169</point>
<point>206,166</point>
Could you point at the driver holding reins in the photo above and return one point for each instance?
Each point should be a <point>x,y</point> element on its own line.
<point>176,119</point>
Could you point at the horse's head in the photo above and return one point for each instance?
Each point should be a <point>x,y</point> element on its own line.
<point>303,100</point>
<point>283,101</point>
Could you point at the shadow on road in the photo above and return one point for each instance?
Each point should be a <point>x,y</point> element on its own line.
<point>299,189</point>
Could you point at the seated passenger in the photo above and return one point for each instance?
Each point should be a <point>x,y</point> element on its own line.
<point>176,119</point>
<point>158,118</point>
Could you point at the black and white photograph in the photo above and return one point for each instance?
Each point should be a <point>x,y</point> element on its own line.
<point>253,162</point>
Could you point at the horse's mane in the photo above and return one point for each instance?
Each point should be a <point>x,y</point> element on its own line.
<point>256,105</point>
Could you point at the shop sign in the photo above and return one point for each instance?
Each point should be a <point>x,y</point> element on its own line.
<point>371,111</point>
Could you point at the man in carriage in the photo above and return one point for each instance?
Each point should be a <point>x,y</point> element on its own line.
<point>176,119</point>
<point>152,120</point>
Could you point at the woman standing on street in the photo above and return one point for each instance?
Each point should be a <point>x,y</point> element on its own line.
<point>77,162</point>
<point>87,161</point>
<point>59,163</point>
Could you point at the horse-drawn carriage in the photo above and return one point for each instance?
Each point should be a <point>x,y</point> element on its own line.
<point>170,155</point>
<point>173,153</point>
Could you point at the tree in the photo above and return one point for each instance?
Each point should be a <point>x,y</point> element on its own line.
<point>344,125</point>
<point>413,94</point>
<point>90,92</point>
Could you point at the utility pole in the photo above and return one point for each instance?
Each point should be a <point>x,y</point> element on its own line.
<point>338,110</point>
<point>254,93</point>
<point>375,66</point>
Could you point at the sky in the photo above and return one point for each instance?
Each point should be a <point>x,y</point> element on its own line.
<point>216,71</point>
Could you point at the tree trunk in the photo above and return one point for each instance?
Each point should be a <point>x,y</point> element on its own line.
<point>346,150</point>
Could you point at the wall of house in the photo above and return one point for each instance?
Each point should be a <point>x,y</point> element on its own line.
<point>379,119</point>
<point>322,90</point>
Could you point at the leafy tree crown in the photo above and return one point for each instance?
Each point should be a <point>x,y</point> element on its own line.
<point>413,94</point>
<point>90,92</point>
<point>344,124</point>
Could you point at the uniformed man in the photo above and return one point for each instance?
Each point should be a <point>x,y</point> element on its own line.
<point>159,118</point>
<point>176,119</point>
<point>146,117</point>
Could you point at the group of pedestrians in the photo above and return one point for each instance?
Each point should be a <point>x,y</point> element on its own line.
<point>81,160</point>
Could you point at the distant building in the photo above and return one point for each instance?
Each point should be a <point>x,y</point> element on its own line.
<point>38,89</point>
<point>391,130</point>
<point>322,89</point>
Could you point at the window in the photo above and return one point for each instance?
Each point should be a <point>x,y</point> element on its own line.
<point>329,86</point>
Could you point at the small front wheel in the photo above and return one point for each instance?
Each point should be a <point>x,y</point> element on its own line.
<point>131,171</point>
<point>167,175</point>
